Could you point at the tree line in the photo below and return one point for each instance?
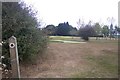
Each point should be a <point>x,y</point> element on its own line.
<point>84,30</point>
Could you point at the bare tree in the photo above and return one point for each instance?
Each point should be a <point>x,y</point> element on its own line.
<point>80,24</point>
<point>111,21</point>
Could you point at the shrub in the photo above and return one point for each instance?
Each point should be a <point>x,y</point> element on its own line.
<point>86,32</point>
<point>19,20</point>
<point>86,38</point>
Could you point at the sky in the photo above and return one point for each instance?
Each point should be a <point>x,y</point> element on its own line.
<point>60,11</point>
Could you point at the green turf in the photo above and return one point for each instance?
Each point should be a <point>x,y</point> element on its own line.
<point>70,39</point>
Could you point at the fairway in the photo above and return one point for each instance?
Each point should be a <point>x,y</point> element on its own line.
<point>94,59</point>
<point>66,39</point>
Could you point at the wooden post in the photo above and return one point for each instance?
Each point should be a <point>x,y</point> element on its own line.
<point>14,57</point>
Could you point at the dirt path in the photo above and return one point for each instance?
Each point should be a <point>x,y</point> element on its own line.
<point>63,60</point>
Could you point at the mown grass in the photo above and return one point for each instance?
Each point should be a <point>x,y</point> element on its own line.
<point>102,66</point>
<point>78,39</point>
<point>65,38</point>
<point>62,37</point>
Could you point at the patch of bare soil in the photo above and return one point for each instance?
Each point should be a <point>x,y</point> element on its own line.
<point>62,60</point>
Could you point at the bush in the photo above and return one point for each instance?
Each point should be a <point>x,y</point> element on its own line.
<point>20,21</point>
<point>86,38</point>
<point>86,32</point>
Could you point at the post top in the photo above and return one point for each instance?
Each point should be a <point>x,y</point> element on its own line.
<point>12,37</point>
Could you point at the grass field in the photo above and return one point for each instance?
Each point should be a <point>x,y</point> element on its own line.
<point>64,39</point>
<point>67,57</point>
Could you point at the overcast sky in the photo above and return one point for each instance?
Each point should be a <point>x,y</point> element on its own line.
<point>59,11</point>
